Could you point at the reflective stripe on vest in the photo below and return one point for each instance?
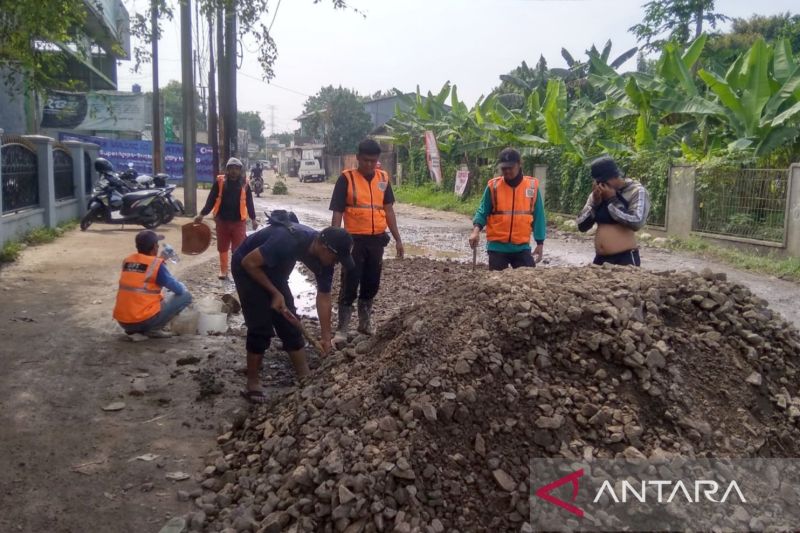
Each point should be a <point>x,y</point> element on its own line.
<point>364,213</point>
<point>512,212</point>
<point>218,202</point>
<point>138,297</point>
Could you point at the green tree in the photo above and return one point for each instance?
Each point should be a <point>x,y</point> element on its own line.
<point>724,48</point>
<point>28,30</point>
<point>674,20</point>
<point>284,137</point>
<point>172,96</point>
<point>337,116</point>
<point>252,122</point>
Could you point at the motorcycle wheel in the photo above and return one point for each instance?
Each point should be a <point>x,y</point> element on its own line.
<point>159,213</point>
<point>88,218</point>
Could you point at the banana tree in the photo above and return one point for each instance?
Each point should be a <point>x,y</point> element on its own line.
<point>760,95</point>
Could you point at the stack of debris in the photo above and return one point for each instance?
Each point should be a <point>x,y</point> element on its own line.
<point>430,425</point>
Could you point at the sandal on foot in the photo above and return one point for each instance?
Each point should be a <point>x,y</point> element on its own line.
<point>254,396</point>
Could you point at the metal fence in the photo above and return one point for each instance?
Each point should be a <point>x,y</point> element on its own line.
<point>20,177</point>
<point>62,175</point>
<point>744,203</point>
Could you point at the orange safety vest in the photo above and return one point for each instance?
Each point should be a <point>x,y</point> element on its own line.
<point>138,297</point>
<point>364,213</point>
<point>242,199</point>
<point>512,210</point>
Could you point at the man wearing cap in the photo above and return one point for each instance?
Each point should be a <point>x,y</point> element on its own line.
<point>619,206</point>
<point>363,199</point>
<point>261,267</point>
<point>510,210</point>
<point>141,309</point>
<point>231,203</point>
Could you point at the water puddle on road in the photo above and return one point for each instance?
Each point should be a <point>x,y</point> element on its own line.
<point>305,294</point>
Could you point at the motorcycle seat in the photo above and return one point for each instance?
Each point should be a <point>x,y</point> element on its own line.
<point>138,195</point>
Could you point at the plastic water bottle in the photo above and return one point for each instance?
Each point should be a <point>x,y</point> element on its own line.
<point>170,254</point>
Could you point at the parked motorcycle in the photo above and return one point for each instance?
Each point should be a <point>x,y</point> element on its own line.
<point>135,181</point>
<point>148,207</point>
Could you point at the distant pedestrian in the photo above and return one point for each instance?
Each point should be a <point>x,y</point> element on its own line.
<point>510,210</point>
<point>231,203</point>
<point>363,199</point>
<point>140,308</point>
<point>619,206</point>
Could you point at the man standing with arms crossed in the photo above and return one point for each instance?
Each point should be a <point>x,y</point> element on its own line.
<point>231,203</point>
<point>511,209</point>
<point>363,199</point>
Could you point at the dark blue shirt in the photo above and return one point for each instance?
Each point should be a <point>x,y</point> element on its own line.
<point>165,279</point>
<point>281,249</point>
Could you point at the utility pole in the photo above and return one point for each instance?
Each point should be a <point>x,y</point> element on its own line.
<point>271,120</point>
<point>222,65</point>
<point>189,110</point>
<point>229,114</point>
<point>158,137</point>
<point>213,139</point>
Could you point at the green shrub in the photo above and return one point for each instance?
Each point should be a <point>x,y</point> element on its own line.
<point>280,188</point>
<point>10,251</point>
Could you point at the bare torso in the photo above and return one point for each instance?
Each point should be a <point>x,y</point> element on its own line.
<point>613,238</point>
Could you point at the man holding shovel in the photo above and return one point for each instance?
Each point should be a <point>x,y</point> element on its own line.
<point>511,209</point>
<point>261,267</point>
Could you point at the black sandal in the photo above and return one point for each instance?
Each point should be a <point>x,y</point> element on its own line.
<point>254,396</point>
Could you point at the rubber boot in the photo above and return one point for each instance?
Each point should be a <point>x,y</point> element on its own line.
<point>365,317</point>
<point>345,314</point>
<point>223,265</point>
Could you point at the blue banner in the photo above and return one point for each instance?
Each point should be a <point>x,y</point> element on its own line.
<point>140,153</point>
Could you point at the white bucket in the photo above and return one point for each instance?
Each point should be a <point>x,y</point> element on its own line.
<point>185,323</point>
<point>212,323</point>
<point>209,305</point>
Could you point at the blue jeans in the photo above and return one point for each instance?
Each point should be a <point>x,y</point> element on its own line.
<point>170,307</point>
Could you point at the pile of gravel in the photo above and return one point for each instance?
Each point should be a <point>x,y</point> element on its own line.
<point>430,425</point>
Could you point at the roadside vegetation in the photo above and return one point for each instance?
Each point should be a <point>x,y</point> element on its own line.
<point>11,249</point>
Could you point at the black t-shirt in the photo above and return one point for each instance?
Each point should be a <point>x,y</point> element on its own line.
<point>339,197</point>
<point>281,249</point>
<point>229,206</point>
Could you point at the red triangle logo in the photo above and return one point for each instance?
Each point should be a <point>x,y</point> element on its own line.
<point>544,492</point>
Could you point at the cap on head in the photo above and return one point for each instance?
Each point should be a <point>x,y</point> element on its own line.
<point>233,162</point>
<point>604,168</point>
<point>146,239</point>
<point>508,158</point>
<point>338,241</point>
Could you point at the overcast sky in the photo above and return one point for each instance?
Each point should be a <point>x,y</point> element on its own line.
<point>405,43</point>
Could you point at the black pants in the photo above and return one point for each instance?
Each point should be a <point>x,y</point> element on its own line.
<point>502,260</point>
<point>368,257</point>
<point>630,257</point>
<point>261,321</point>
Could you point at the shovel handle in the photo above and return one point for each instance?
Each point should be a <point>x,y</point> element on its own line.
<point>474,257</point>
<point>297,322</point>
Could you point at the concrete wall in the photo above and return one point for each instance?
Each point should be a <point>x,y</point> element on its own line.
<point>793,226</point>
<point>680,201</point>
<point>49,212</point>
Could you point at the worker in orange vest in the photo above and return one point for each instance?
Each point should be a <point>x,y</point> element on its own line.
<point>231,203</point>
<point>141,309</point>
<point>363,198</point>
<point>510,210</point>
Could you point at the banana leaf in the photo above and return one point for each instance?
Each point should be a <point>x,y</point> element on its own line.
<point>775,139</point>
